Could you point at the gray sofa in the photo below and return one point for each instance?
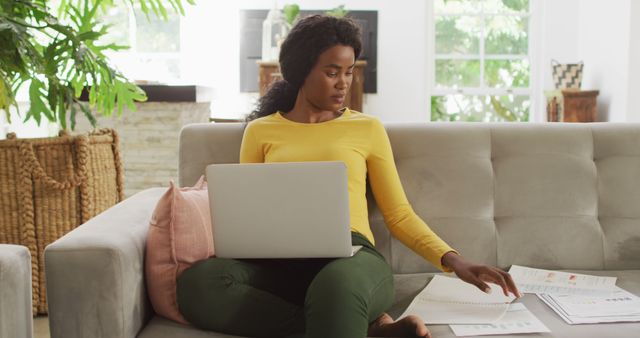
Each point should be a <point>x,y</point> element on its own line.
<point>556,196</point>
<point>15,292</point>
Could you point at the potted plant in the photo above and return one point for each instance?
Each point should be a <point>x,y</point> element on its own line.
<point>338,12</point>
<point>51,185</point>
<point>291,12</point>
<point>59,54</point>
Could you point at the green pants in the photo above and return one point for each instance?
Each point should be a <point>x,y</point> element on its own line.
<point>288,297</point>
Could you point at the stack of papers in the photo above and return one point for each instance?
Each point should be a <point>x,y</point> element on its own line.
<point>578,298</point>
<point>517,320</point>
<point>448,300</point>
<point>618,306</point>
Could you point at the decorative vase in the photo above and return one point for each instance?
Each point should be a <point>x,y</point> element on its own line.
<point>274,31</point>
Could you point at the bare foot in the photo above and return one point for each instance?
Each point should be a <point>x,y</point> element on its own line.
<point>409,326</point>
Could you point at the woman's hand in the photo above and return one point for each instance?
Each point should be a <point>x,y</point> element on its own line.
<point>478,274</point>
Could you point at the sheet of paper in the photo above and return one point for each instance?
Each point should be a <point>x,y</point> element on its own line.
<point>448,300</point>
<point>453,289</point>
<point>518,319</point>
<point>619,302</point>
<point>530,280</point>
<point>619,306</point>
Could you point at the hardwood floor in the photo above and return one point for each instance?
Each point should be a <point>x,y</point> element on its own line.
<point>41,327</point>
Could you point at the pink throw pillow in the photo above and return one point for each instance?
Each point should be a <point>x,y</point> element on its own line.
<point>179,235</point>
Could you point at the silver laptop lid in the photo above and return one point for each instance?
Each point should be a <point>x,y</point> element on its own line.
<point>280,210</point>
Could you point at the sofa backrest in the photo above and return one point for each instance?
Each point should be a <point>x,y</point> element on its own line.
<point>556,196</point>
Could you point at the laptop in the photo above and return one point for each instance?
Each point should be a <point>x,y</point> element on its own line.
<point>280,210</point>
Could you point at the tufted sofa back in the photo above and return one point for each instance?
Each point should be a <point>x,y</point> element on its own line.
<point>556,196</point>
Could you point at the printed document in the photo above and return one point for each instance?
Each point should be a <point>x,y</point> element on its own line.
<point>518,319</point>
<point>530,280</point>
<point>447,300</point>
<point>619,306</point>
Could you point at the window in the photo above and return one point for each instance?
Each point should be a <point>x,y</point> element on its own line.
<point>482,63</point>
<point>154,53</point>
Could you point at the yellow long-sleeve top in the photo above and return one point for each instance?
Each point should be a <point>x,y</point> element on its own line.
<point>361,142</point>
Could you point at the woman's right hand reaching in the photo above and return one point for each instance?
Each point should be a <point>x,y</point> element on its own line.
<point>480,274</point>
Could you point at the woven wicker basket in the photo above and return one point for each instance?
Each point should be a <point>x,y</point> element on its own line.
<point>48,186</point>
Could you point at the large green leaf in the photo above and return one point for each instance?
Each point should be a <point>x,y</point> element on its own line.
<point>6,98</point>
<point>291,12</point>
<point>61,55</point>
<point>38,106</point>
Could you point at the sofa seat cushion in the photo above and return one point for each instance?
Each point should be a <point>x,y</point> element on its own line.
<point>409,285</point>
<point>160,327</point>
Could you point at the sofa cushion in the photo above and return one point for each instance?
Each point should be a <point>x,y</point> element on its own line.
<point>409,285</point>
<point>179,235</point>
<point>498,193</point>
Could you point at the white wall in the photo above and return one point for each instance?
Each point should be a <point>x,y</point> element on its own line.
<point>633,98</point>
<point>599,33</point>
<point>568,30</point>
<point>557,27</point>
<point>30,129</point>
<point>604,47</point>
<point>560,32</point>
<point>402,62</point>
<point>604,37</point>
<point>401,93</point>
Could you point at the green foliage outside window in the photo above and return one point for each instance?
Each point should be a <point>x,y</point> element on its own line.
<point>458,32</point>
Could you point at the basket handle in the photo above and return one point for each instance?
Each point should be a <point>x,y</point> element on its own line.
<point>555,62</point>
<point>33,166</point>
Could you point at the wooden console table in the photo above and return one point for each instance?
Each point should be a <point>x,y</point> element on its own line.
<point>269,72</point>
<point>570,105</point>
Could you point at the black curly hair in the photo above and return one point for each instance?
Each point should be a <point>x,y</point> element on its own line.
<point>309,38</point>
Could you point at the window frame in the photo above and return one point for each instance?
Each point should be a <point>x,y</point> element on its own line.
<point>133,55</point>
<point>533,91</point>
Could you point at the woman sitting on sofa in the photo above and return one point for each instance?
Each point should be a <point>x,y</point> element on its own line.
<point>302,118</point>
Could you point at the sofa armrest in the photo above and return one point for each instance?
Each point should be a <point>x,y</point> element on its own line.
<point>95,273</point>
<point>15,292</point>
